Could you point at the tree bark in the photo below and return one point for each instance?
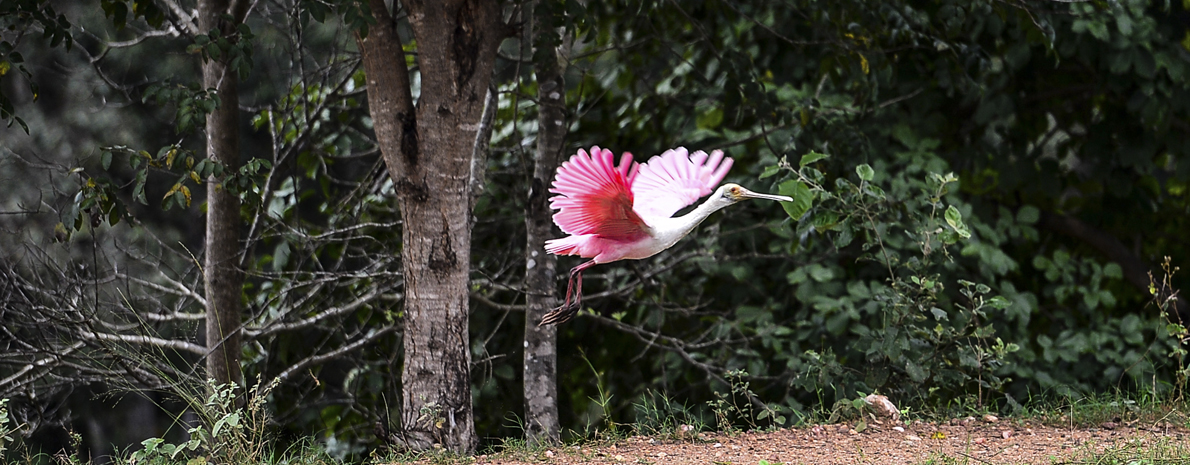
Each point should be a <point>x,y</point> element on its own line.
<point>427,149</point>
<point>223,278</point>
<point>541,268</point>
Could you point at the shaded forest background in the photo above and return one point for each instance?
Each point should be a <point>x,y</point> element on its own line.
<point>1064,124</point>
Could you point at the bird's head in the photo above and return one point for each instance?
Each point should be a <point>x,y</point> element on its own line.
<point>731,193</point>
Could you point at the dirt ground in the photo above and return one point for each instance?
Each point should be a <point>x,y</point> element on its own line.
<point>970,440</point>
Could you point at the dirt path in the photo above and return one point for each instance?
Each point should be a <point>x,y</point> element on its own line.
<point>971,442</point>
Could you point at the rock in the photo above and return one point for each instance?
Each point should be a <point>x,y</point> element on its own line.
<point>883,407</point>
<point>989,418</point>
<point>898,429</point>
<point>913,437</point>
<point>1006,434</point>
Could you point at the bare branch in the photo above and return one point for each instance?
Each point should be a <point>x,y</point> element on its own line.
<point>148,340</point>
<point>317,359</point>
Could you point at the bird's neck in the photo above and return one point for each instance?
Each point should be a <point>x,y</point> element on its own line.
<point>678,227</point>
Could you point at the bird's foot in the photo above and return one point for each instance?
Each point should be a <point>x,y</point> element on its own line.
<point>560,315</point>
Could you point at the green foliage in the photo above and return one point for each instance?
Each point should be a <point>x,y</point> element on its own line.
<point>5,430</point>
<point>234,49</point>
<point>21,16</point>
<point>118,10</point>
<point>739,406</point>
<point>1164,297</point>
<point>192,104</point>
<point>355,13</point>
<point>228,432</point>
<point>905,333</point>
<point>98,201</point>
<point>658,415</point>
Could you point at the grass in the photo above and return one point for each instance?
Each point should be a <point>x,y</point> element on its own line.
<point>1137,452</point>
<point>1132,452</point>
<point>660,418</point>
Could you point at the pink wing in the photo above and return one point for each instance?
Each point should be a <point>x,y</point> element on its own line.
<point>674,179</point>
<point>595,196</point>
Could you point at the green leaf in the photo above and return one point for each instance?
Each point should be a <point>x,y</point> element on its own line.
<point>770,171</point>
<point>999,303</point>
<point>803,198</point>
<point>811,158</point>
<point>1028,214</point>
<point>106,159</point>
<point>939,314</point>
<point>865,172</point>
<point>281,256</point>
<point>916,373</point>
<point>955,220</point>
<point>711,119</point>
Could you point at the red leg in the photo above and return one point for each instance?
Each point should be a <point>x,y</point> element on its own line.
<point>574,298</point>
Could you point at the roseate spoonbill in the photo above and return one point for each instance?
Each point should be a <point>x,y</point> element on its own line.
<point>616,212</point>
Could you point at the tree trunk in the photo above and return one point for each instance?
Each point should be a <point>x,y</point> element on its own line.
<point>428,152</point>
<point>541,268</point>
<point>223,279</point>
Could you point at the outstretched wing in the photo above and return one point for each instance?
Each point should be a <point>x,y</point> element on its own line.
<point>595,196</point>
<point>675,179</point>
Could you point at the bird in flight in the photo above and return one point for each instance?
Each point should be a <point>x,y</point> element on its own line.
<point>615,212</point>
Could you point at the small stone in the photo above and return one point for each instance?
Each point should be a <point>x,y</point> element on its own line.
<point>735,447</point>
<point>883,407</point>
<point>913,437</point>
<point>718,444</point>
<point>1006,434</point>
<point>1108,425</point>
<point>619,458</point>
<point>662,454</point>
<point>979,440</point>
<point>989,418</point>
<point>852,432</point>
<point>898,429</point>
<point>549,453</point>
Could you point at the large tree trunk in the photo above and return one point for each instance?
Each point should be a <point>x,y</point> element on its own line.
<point>541,268</point>
<point>428,152</point>
<point>223,279</point>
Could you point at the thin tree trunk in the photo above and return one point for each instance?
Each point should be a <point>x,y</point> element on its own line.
<point>223,279</point>
<point>541,268</point>
<point>428,152</point>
